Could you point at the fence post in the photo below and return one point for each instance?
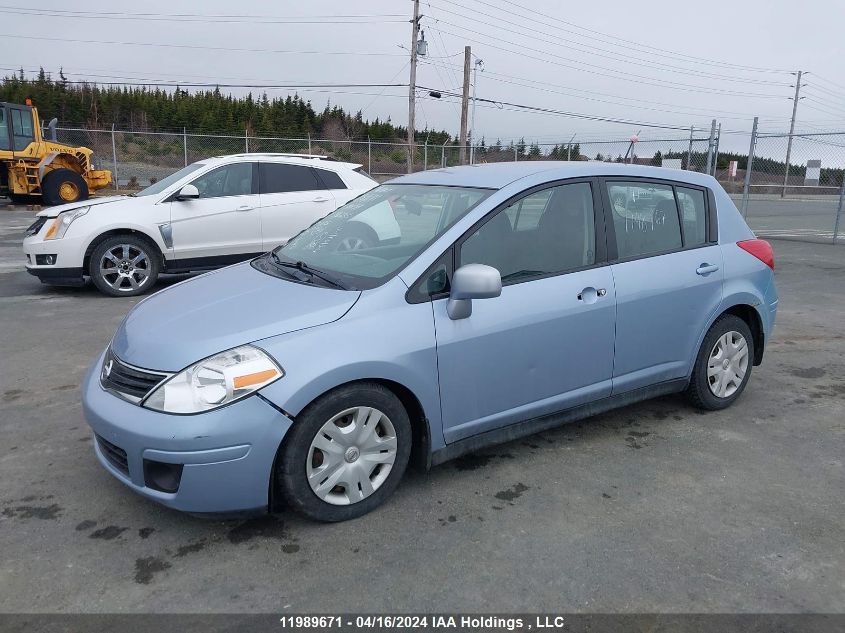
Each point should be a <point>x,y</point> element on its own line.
<point>369,156</point>
<point>425,156</point>
<point>309,143</point>
<point>443,155</point>
<point>689,151</point>
<point>114,157</point>
<point>185,143</point>
<point>748,166</point>
<point>515,154</point>
<point>839,209</point>
<point>716,151</point>
<point>246,139</point>
<point>710,147</point>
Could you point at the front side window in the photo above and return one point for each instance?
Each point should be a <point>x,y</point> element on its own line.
<point>645,218</point>
<point>370,238</point>
<point>4,131</point>
<point>22,128</point>
<point>229,180</point>
<point>282,178</point>
<point>549,231</point>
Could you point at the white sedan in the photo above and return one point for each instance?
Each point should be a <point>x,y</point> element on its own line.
<point>212,213</point>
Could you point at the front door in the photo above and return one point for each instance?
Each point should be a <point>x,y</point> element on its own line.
<point>292,199</point>
<point>668,278</point>
<point>223,225</point>
<point>544,345</point>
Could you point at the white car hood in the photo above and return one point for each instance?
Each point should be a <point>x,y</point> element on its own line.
<point>52,212</point>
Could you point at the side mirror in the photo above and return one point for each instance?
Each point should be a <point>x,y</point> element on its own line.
<point>472,281</point>
<point>188,192</point>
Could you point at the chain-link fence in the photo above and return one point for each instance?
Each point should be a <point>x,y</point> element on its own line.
<point>804,201</point>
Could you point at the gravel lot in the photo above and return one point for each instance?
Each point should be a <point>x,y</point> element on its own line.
<point>654,507</point>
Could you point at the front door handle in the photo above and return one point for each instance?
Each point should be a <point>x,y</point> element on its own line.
<point>590,294</point>
<point>244,207</point>
<point>706,269</point>
<point>320,199</point>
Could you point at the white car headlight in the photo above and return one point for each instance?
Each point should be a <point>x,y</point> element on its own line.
<point>62,222</point>
<point>216,381</point>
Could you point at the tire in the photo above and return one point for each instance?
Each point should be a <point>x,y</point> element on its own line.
<point>136,264</point>
<point>723,365</point>
<point>23,199</point>
<point>344,414</point>
<point>62,186</point>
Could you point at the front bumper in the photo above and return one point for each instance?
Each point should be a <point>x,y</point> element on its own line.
<point>66,269</point>
<point>226,455</point>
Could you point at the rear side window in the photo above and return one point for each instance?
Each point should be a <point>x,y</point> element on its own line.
<point>693,215</point>
<point>330,179</point>
<point>282,178</point>
<point>645,218</point>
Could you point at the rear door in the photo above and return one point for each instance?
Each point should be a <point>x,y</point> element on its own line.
<point>293,197</point>
<point>221,226</point>
<point>668,276</point>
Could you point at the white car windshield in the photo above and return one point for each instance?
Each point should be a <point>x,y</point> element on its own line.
<point>370,238</point>
<point>164,183</point>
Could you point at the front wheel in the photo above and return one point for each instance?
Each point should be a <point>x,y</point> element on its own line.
<point>345,453</point>
<point>62,186</point>
<point>124,266</point>
<point>723,365</point>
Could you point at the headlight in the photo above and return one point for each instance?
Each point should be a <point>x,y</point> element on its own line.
<point>62,222</point>
<point>215,381</point>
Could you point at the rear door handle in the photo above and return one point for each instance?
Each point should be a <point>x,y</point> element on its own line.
<point>706,269</point>
<point>320,199</point>
<point>244,207</point>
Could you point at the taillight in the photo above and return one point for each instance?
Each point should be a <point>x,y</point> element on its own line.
<point>761,249</point>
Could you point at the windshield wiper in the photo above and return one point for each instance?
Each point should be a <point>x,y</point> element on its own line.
<point>308,270</point>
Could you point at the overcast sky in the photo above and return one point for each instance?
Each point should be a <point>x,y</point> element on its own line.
<point>655,61</point>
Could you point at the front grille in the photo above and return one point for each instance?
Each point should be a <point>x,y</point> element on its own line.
<point>35,226</point>
<point>115,455</point>
<point>132,383</point>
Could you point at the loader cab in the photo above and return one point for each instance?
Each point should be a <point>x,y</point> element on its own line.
<point>17,127</point>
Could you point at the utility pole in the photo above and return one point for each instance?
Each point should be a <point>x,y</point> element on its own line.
<point>412,87</point>
<point>478,62</point>
<point>465,105</point>
<point>791,132</point>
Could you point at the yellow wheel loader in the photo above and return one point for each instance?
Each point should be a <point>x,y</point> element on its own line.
<point>38,170</point>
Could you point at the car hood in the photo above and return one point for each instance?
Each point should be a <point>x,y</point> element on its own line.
<point>221,310</point>
<point>52,212</point>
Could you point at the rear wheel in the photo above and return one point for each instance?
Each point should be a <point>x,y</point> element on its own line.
<point>124,266</point>
<point>61,186</point>
<point>723,365</point>
<point>346,453</point>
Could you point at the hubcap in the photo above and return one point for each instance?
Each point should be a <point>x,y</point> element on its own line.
<point>351,456</point>
<point>125,267</point>
<point>68,192</point>
<point>727,365</point>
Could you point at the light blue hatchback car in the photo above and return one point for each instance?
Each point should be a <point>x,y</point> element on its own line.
<point>516,297</point>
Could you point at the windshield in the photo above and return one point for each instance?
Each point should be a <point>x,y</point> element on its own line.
<point>164,183</point>
<point>370,238</point>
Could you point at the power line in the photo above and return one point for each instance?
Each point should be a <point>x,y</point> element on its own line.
<point>501,77</point>
<point>613,56</point>
<point>206,19</point>
<point>615,40</point>
<point>198,47</point>
<point>576,115</point>
<point>638,79</point>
